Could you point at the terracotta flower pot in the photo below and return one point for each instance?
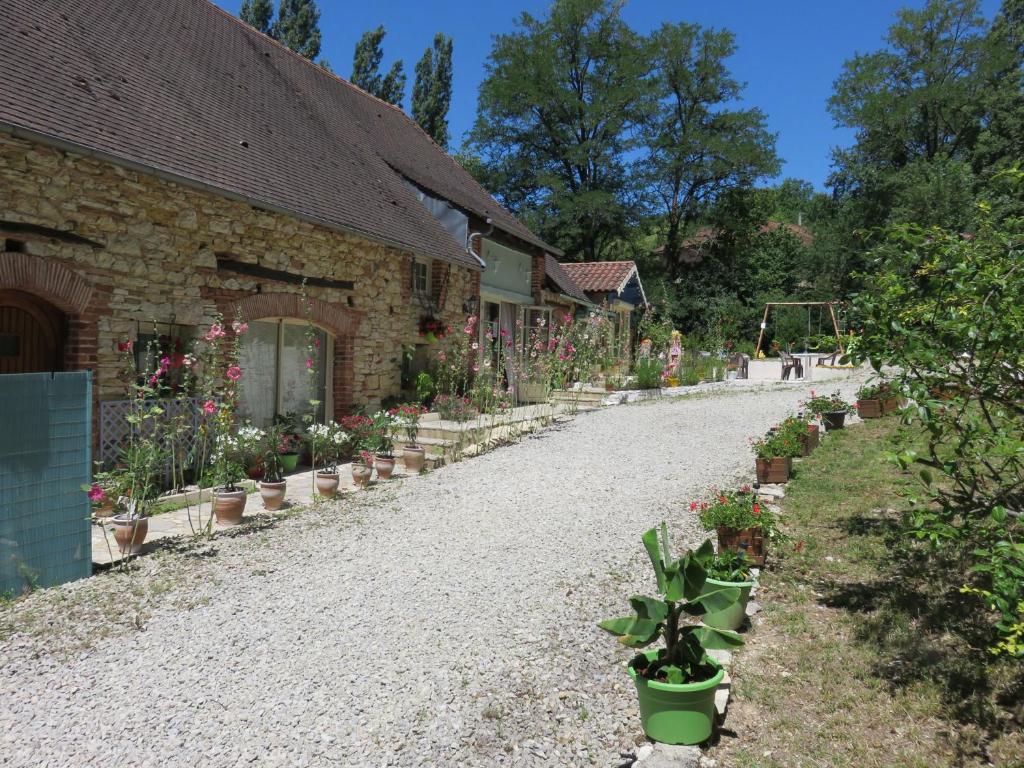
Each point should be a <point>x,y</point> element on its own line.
<point>749,541</point>
<point>273,495</point>
<point>129,532</point>
<point>414,458</point>
<point>361,474</point>
<point>870,409</point>
<point>834,420</point>
<point>385,466</point>
<point>228,507</point>
<point>774,470</point>
<point>106,509</point>
<point>327,483</point>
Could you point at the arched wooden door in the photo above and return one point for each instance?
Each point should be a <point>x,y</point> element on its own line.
<point>31,334</point>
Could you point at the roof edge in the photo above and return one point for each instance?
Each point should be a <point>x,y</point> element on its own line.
<point>21,132</point>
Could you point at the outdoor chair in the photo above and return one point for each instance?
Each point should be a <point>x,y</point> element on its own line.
<point>829,359</point>
<point>742,364</point>
<point>790,365</point>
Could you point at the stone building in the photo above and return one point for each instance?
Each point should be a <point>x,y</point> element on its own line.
<point>615,286</point>
<point>162,164</point>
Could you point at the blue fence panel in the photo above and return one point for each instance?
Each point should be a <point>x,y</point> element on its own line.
<point>45,458</point>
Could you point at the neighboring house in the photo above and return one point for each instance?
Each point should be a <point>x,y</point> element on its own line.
<point>561,294</point>
<point>163,163</point>
<point>615,286</point>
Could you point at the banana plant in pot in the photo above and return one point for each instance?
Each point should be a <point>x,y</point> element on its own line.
<point>676,684</point>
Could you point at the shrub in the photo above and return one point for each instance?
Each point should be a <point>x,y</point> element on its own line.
<point>648,373</point>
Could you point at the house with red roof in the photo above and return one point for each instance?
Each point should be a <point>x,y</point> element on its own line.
<point>164,164</point>
<point>616,287</point>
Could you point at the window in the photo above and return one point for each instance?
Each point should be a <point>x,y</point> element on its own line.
<point>421,278</point>
<point>538,327</point>
<point>274,356</point>
<point>154,342</point>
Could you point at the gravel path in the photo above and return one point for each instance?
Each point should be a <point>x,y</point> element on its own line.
<point>443,620</point>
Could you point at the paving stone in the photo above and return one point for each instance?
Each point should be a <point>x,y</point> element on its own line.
<point>672,756</point>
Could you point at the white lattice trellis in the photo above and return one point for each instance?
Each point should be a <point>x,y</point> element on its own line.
<point>115,429</point>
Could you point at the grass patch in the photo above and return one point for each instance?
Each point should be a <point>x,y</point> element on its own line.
<point>866,654</point>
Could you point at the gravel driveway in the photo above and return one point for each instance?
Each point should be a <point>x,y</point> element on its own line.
<point>443,620</point>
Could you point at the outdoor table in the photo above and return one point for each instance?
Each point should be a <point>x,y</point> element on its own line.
<point>809,360</point>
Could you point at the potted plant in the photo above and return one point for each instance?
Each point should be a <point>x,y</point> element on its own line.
<point>362,468</point>
<point>407,418</point>
<point>803,431</point>
<point>273,484</point>
<point>288,452</point>
<point>741,522</point>
<point>676,684</point>
<point>228,496</point>
<point>775,452</point>
<point>870,399</point>
<point>832,409</point>
<point>384,458</point>
<point>250,450</point>
<point>328,441</point>
<point>728,569</point>
<point>136,480</point>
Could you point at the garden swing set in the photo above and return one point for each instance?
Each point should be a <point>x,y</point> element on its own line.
<point>809,304</point>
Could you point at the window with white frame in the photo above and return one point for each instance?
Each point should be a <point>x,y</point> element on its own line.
<point>282,370</point>
<point>421,278</point>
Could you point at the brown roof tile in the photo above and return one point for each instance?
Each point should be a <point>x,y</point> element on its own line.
<point>557,274</point>
<point>600,276</point>
<point>185,89</point>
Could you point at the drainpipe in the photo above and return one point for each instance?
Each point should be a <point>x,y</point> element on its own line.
<point>469,241</point>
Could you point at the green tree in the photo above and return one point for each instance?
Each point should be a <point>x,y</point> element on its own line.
<point>366,69</point>
<point>917,101</point>
<point>432,90</point>
<point>556,109</point>
<point>298,27</point>
<point>257,14</point>
<point>698,144</point>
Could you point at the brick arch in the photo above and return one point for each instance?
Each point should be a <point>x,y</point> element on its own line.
<point>46,279</point>
<point>339,320</point>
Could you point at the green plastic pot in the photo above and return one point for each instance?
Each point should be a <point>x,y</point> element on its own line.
<point>677,714</point>
<point>733,616</point>
<point>289,461</point>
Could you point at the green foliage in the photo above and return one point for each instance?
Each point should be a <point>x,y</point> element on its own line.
<point>556,111</point>
<point>298,27</point>
<point>697,144</point>
<point>425,387</point>
<point>777,443</point>
<point>648,373</point>
<point>822,404</point>
<point>737,510</point>
<point>366,74</point>
<point>432,90</point>
<point>729,566</point>
<point>680,586</point>
<point>257,14</point>
<point>944,310</point>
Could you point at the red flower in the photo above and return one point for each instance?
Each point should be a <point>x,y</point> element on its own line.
<point>96,493</point>
<point>757,508</point>
<point>234,372</point>
<point>124,346</point>
<point>693,506</point>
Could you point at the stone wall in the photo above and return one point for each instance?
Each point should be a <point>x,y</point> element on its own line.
<point>143,250</point>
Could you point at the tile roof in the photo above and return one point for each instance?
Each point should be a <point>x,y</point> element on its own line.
<point>557,274</point>
<point>600,276</point>
<point>186,90</point>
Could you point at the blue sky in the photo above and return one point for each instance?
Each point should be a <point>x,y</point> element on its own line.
<point>789,52</point>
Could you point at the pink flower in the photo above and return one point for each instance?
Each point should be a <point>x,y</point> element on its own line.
<point>153,379</point>
<point>96,493</point>
<point>233,372</point>
<point>310,362</point>
<point>165,363</point>
<point>209,406</point>
<point>316,342</point>
<point>504,333</point>
<point>216,331</point>
<point>239,327</point>
<point>442,356</point>
<point>476,368</point>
